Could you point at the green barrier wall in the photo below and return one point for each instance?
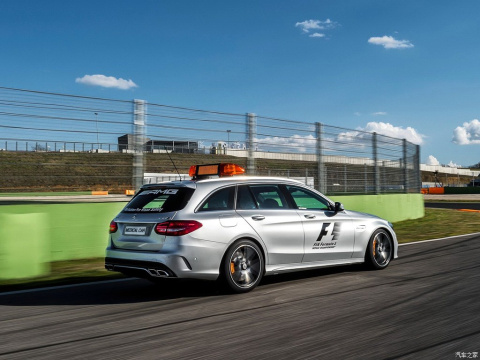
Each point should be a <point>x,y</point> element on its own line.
<point>24,245</point>
<point>32,236</point>
<point>392,207</point>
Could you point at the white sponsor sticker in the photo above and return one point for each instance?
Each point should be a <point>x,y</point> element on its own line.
<point>135,230</point>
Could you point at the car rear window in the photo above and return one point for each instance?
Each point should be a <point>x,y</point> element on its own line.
<point>164,199</point>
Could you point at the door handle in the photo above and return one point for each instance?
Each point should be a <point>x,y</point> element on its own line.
<point>310,216</point>
<point>258,217</point>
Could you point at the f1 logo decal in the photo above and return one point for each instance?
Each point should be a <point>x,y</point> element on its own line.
<point>333,231</point>
<point>324,231</point>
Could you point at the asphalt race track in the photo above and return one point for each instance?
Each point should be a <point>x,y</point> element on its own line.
<point>426,305</point>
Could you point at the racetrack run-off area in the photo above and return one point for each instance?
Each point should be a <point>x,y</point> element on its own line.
<point>423,306</point>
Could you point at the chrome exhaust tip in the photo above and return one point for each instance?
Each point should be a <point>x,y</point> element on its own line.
<point>162,273</point>
<point>109,267</point>
<point>157,273</point>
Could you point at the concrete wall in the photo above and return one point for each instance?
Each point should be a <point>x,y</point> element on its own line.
<point>34,235</point>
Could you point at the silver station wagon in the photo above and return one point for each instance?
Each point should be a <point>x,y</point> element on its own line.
<point>220,225</point>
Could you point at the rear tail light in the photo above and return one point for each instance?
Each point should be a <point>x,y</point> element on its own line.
<point>113,227</point>
<point>177,228</point>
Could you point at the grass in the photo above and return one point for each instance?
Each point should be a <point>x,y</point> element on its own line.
<point>437,223</point>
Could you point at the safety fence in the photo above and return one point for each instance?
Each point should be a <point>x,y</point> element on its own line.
<point>59,142</point>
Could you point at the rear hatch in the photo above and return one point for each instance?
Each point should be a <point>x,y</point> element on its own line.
<point>135,225</point>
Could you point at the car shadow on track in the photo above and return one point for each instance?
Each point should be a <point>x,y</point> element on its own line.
<point>132,290</point>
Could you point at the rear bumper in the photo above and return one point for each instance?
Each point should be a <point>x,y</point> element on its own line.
<point>142,269</point>
<point>203,263</point>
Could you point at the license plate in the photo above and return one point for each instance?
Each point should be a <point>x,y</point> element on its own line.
<point>135,230</point>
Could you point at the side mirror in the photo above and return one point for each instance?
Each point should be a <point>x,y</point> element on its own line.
<point>338,207</point>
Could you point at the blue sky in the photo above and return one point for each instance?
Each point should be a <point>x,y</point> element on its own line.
<point>404,68</point>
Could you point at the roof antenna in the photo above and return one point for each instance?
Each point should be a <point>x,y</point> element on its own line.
<point>180,176</point>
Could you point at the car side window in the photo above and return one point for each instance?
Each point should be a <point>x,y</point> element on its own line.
<point>268,197</point>
<point>245,199</point>
<point>305,199</point>
<point>220,200</point>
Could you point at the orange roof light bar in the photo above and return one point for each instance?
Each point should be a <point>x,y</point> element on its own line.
<point>230,169</point>
<point>223,169</point>
<point>207,170</point>
<point>192,171</point>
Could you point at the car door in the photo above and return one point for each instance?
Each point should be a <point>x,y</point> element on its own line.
<point>265,208</point>
<point>328,235</point>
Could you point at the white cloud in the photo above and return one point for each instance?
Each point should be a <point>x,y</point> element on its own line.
<point>410,134</point>
<point>467,134</point>
<point>379,113</point>
<point>453,165</point>
<point>106,81</point>
<point>432,160</point>
<point>345,140</point>
<point>361,137</point>
<point>317,35</point>
<point>310,25</point>
<point>389,42</point>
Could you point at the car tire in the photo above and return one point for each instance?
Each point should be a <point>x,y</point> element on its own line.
<point>243,266</point>
<point>379,250</point>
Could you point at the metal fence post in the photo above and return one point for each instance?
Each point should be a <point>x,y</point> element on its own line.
<point>251,143</point>
<point>320,165</point>
<point>417,172</point>
<point>405,166</point>
<point>139,110</point>
<point>376,180</point>
<point>383,177</point>
<point>365,178</point>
